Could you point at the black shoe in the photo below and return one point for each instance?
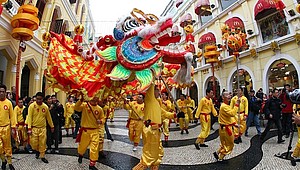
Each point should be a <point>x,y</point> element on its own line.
<point>187,131</point>
<point>197,146</point>
<point>216,155</point>
<point>11,167</point>
<point>92,168</point>
<point>44,160</point>
<point>240,139</point>
<point>203,145</point>
<point>287,136</point>
<point>111,139</point>
<point>181,132</point>
<point>177,124</point>
<point>280,141</point>
<point>3,166</point>
<point>80,159</point>
<point>102,155</point>
<point>37,155</point>
<point>236,141</point>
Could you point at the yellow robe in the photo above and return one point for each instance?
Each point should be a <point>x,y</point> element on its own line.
<point>90,128</point>
<point>167,106</point>
<point>191,107</point>
<point>22,134</point>
<point>152,147</point>
<point>227,123</point>
<point>183,122</point>
<point>296,152</point>
<point>69,110</point>
<point>205,107</point>
<point>36,119</point>
<point>136,118</point>
<point>242,114</point>
<point>8,120</point>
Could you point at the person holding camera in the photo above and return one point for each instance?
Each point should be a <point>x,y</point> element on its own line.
<point>58,109</point>
<point>287,112</point>
<point>254,107</point>
<point>273,109</point>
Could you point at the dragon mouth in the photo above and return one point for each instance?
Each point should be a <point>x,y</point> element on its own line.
<point>160,34</point>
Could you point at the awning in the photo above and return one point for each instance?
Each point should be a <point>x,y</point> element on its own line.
<point>234,22</point>
<point>186,18</point>
<point>202,8</point>
<point>178,3</point>
<point>207,38</point>
<point>267,5</point>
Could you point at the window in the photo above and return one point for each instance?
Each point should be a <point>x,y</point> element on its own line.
<point>82,13</point>
<point>226,3</point>
<point>58,26</point>
<point>273,26</point>
<point>77,7</point>
<point>40,4</point>
<point>1,76</point>
<point>204,19</point>
<point>54,17</point>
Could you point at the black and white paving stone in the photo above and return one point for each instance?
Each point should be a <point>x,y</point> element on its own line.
<point>180,154</point>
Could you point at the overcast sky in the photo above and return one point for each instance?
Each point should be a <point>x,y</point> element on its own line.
<point>106,12</point>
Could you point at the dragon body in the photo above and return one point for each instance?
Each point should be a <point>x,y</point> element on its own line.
<point>135,52</point>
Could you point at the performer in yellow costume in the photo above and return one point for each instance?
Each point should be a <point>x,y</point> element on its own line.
<point>7,122</point>
<point>167,106</point>
<point>69,110</point>
<point>152,149</point>
<point>296,153</point>
<point>191,107</point>
<point>135,119</point>
<point>92,117</point>
<point>205,107</point>
<point>38,114</point>
<point>21,137</point>
<point>227,122</point>
<point>111,110</point>
<point>243,114</point>
<point>183,105</point>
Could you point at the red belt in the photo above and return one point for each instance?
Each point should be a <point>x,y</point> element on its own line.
<point>78,138</point>
<point>227,128</point>
<point>206,115</point>
<point>21,123</point>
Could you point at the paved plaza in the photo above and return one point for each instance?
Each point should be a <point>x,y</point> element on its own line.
<point>180,153</point>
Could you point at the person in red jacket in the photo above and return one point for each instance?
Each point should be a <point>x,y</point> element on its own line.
<point>287,111</point>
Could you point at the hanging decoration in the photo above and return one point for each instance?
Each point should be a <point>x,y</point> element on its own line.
<point>23,24</point>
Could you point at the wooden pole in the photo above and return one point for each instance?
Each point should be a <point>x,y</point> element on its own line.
<point>18,72</point>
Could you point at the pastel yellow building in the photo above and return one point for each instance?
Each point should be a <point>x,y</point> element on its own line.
<point>60,16</point>
<point>271,58</point>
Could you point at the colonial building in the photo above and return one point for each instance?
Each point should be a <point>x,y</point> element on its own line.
<point>271,56</point>
<point>60,16</point>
